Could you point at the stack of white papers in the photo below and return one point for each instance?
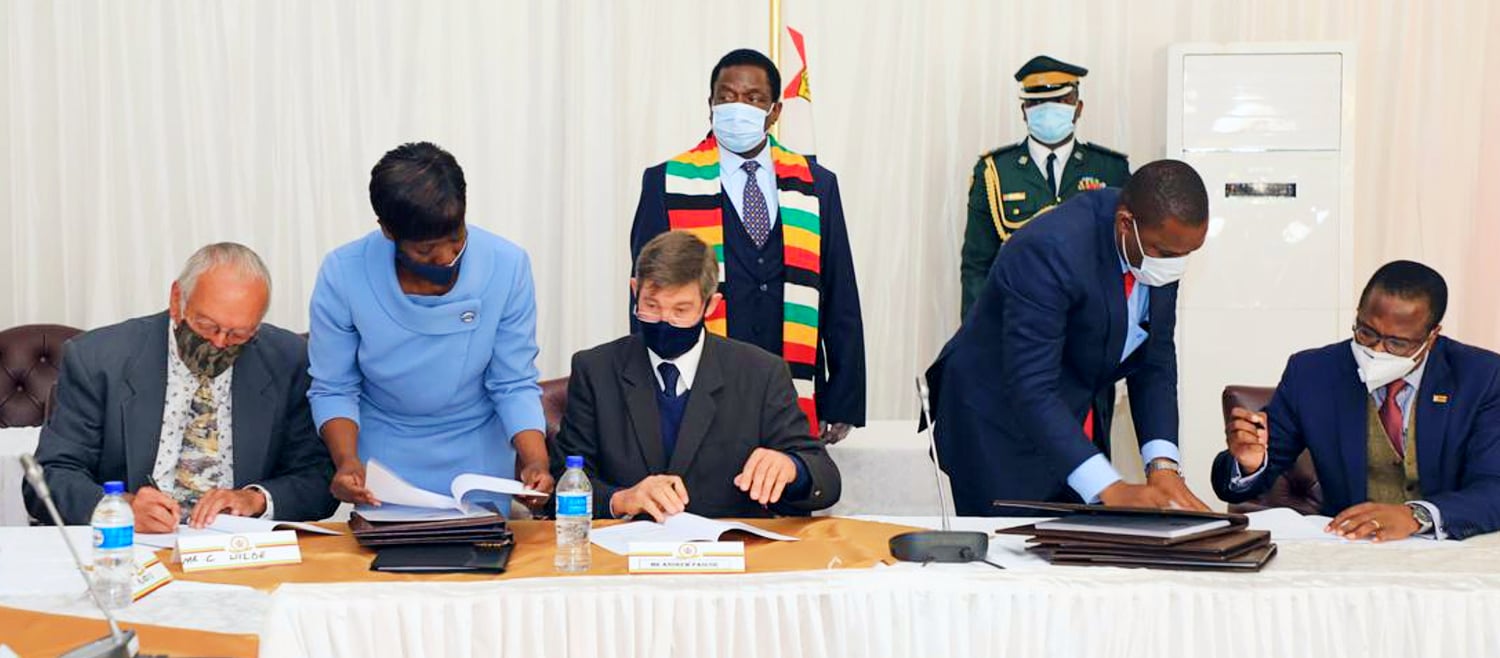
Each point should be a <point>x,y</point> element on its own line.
<point>677,528</point>
<point>1287,524</point>
<point>401,501</point>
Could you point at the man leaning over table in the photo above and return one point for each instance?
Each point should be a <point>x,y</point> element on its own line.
<point>200,410</point>
<point>1403,423</point>
<point>674,419</point>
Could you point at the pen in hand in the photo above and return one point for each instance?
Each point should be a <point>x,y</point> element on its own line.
<point>182,514</point>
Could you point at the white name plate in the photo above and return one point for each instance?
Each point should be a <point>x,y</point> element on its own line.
<point>687,557</point>
<point>150,575</point>
<point>239,551</point>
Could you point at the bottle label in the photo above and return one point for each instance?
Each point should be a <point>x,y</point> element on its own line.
<point>573,504</point>
<point>116,537</point>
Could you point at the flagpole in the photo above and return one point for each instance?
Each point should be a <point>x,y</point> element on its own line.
<point>775,51</point>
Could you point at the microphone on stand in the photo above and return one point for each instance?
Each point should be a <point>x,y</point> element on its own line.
<point>118,644</point>
<point>944,545</point>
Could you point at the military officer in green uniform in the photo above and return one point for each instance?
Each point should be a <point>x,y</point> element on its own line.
<point>1014,183</point>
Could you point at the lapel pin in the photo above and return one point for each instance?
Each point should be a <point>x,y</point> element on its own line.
<point>1439,398</point>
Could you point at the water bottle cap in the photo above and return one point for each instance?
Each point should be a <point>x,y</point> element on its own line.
<point>114,487</point>
<point>575,461</point>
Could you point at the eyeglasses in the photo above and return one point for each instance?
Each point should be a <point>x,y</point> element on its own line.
<point>675,317</point>
<point>1397,345</point>
<point>210,329</point>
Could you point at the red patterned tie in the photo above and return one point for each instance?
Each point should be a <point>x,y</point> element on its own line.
<point>1390,417</point>
<point>1088,421</point>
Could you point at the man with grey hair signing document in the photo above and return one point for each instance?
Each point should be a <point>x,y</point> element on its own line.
<point>201,410</point>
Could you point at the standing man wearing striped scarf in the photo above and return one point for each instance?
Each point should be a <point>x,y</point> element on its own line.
<point>776,223</point>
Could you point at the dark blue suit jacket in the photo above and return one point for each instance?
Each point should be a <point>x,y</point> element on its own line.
<point>1321,405</point>
<point>1041,346</point>
<point>755,297</point>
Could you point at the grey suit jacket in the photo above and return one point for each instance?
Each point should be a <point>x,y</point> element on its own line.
<point>742,399</point>
<point>107,420</point>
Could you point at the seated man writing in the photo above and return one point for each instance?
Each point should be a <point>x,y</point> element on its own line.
<point>200,410</point>
<point>674,419</point>
<point>1403,424</point>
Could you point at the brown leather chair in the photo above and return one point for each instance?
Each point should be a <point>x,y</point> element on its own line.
<point>29,359</point>
<point>554,405</point>
<point>1298,487</point>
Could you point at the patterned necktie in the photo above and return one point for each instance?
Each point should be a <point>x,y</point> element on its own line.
<point>1052,177</point>
<point>1390,417</point>
<point>200,445</point>
<point>669,377</point>
<point>1088,421</point>
<point>757,219</point>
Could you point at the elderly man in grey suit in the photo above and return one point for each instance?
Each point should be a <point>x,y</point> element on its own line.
<point>200,411</point>
<point>676,419</point>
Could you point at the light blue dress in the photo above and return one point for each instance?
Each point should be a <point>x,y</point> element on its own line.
<point>437,384</point>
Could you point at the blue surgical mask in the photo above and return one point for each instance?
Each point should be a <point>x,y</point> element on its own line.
<point>668,341</point>
<point>739,127</point>
<point>1050,123</point>
<point>438,274</point>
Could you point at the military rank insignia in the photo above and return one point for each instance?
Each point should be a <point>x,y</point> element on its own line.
<point>1088,183</point>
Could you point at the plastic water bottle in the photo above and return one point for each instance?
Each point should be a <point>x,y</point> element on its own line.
<point>114,548</point>
<point>575,516</point>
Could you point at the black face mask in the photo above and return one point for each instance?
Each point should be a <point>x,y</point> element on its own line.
<point>441,275</point>
<point>669,342</point>
<point>200,355</point>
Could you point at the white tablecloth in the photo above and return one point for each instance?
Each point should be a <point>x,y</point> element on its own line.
<point>1316,600</point>
<point>14,442</point>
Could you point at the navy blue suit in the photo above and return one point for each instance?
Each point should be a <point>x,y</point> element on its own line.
<point>1321,405</point>
<point>1040,347</point>
<point>753,290</point>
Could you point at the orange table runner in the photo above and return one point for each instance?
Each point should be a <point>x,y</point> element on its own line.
<point>40,634</point>
<point>827,543</point>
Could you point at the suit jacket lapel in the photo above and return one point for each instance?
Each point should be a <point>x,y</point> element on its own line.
<point>1352,438</point>
<point>1111,284</point>
<point>701,407</point>
<point>250,390</point>
<point>1432,417</point>
<point>141,407</point>
<point>639,385</point>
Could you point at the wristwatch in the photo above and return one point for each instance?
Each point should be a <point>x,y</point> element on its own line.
<point>1163,464</point>
<point>1423,517</point>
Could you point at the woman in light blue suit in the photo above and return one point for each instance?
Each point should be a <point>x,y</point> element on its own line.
<point>423,342</point>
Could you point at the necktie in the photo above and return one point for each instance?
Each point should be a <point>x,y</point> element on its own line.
<point>1051,177</point>
<point>669,377</point>
<point>1390,417</point>
<point>757,219</point>
<point>1088,421</point>
<point>200,445</point>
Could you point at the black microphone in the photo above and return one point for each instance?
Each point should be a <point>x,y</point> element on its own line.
<point>118,644</point>
<point>944,545</point>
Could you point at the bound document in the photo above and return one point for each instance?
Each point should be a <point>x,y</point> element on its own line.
<point>1093,535</point>
<point>489,528</point>
<point>445,558</point>
<point>402,501</point>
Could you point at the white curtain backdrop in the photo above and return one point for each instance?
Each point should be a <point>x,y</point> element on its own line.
<point>136,131</point>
